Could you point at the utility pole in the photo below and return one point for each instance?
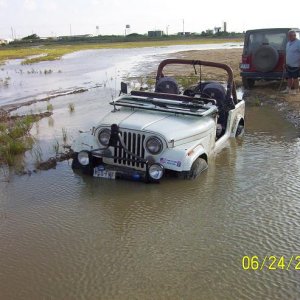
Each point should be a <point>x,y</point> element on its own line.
<point>12,33</point>
<point>167,29</point>
<point>183,26</point>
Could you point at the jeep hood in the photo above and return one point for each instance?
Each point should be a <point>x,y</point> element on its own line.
<point>170,126</point>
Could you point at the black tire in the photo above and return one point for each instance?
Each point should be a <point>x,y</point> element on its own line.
<point>248,83</point>
<point>199,165</point>
<point>75,163</point>
<point>265,58</point>
<point>240,130</point>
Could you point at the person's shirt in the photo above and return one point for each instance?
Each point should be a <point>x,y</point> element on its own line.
<point>293,53</point>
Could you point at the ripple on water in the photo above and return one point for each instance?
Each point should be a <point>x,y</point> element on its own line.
<point>68,236</point>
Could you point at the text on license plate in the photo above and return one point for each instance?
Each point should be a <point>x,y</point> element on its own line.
<point>104,173</point>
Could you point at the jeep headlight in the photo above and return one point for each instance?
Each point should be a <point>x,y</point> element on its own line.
<point>156,172</point>
<point>104,136</point>
<point>154,145</point>
<point>83,158</point>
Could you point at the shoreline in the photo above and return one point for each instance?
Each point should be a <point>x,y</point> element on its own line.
<point>49,52</point>
<point>263,92</point>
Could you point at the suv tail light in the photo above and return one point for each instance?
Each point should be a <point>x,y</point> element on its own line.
<point>245,65</point>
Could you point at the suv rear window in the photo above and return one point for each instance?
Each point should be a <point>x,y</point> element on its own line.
<point>256,39</point>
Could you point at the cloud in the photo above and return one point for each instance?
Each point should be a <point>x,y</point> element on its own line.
<point>3,3</point>
<point>50,5</point>
<point>30,5</point>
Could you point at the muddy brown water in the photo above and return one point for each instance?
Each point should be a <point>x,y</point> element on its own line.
<point>68,236</point>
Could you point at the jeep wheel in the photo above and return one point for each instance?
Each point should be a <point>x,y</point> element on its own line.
<point>198,166</point>
<point>240,130</point>
<point>75,163</point>
<point>248,83</point>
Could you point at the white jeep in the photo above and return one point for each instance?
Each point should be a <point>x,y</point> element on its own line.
<point>150,134</point>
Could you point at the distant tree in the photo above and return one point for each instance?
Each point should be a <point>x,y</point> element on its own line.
<point>134,35</point>
<point>31,37</point>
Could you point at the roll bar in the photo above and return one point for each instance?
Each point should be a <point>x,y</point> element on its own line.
<point>231,89</point>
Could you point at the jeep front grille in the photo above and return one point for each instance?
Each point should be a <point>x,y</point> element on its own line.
<point>134,143</point>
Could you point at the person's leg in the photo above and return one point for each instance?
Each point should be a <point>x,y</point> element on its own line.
<point>295,81</point>
<point>296,84</point>
<point>289,81</point>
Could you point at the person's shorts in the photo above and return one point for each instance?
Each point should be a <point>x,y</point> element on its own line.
<point>292,72</point>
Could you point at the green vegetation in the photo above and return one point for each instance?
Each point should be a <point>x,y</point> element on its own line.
<point>56,147</point>
<point>38,155</point>
<point>71,107</point>
<point>49,107</point>
<point>48,51</point>
<point>64,134</point>
<point>14,138</point>
<point>187,81</point>
<point>4,81</point>
<point>31,37</point>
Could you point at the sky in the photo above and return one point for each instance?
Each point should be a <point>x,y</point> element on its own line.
<point>62,17</point>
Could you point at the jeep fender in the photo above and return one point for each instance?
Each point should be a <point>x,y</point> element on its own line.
<point>238,120</point>
<point>192,155</point>
<point>85,141</point>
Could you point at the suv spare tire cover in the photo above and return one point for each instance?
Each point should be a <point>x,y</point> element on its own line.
<point>265,58</point>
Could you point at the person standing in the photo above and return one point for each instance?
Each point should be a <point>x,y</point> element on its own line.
<point>292,63</point>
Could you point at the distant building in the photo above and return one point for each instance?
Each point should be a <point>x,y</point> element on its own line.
<point>3,42</point>
<point>155,33</point>
<point>217,29</point>
<point>184,33</point>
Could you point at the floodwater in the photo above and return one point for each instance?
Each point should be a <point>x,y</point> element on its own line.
<point>85,70</point>
<point>68,236</point>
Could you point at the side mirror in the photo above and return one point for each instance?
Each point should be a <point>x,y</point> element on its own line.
<point>123,88</point>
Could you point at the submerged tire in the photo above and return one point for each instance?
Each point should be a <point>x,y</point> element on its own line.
<point>240,130</point>
<point>198,166</point>
<point>75,163</point>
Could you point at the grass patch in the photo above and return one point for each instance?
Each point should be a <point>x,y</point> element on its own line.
<point>14,138</point>
<point>187,81</point>
<point>54,52</point>
<point>64,134</point>
<point>49,107</point>
<point>56,147</point>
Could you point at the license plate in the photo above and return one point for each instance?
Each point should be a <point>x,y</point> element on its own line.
<point>244,66</point>
<point>104,173</point>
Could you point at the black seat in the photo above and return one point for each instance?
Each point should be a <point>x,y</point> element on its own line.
<point>217,91</point>
<point>167,85</point>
